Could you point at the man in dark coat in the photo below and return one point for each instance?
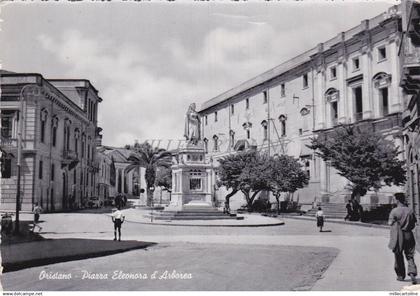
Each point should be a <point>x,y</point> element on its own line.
<point>402,221</point>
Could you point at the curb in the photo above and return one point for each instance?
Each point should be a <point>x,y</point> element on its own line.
<point>208,225</point>
<point>202,225</point>
<point>361,224</point>
<point>14,266</point>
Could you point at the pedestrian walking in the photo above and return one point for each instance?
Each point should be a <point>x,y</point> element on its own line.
<point>402,221</point>
<point>118,219</point>
<point>37,213</point>
<point>320,219</point>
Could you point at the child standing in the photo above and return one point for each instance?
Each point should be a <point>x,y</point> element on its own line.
<point>37,211</point>
<point>320,218</point>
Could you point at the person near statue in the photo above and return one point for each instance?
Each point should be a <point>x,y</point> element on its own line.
<point>192,131</point>
<point>402,221</point>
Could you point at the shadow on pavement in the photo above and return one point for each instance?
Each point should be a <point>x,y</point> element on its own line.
<point>49,251</point>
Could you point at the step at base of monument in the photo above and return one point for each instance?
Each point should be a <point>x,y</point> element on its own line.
<point>198,214</point>
<point>331,210</point>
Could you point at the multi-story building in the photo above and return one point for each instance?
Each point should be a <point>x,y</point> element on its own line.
<point>410,83</point>
<point>58,124</point>
<point>351,78</point>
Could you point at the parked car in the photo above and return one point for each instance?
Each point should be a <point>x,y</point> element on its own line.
<point>94,202</point>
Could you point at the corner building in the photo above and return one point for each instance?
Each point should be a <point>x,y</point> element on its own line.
<point>59,167</point>
<point>351,78</point>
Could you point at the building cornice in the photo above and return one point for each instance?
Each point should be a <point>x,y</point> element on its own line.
<point>313,58</point>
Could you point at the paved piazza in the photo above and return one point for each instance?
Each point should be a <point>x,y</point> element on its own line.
<point>293,256</point>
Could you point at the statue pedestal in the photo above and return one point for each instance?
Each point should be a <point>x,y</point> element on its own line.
<point>192,180</point>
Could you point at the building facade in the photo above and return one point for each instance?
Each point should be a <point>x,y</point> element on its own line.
<point>410,84</point>
<point>351,78</point>
<point>58,132</point>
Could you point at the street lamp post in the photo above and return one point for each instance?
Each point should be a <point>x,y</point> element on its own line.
<point>35,91</point>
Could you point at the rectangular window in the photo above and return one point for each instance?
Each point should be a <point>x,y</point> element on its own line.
<point>265,95</point>
<point>334,113</point>
<point>195,184</point>
<point>52,172</point>
<point>356,64</point>
<point>40,169</point>
<point>300,132</point>
<point>74,177</point>
<point>333,73</point>
<point>358,102</point>
<point>248,134</point>
<point>305,80</point>
<point>205,119</point>
<point>215,116</point>
<point>6,168</point>
<point>7,123</point>
<point>381,53</point>
<point>247,103</point>
<point>232,109</point>
<point>54,136</point>
<point>42,131</point>
<point>384,101</point>
<point>283,90</point>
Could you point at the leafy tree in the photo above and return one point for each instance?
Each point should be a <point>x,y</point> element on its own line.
<point>151,158</point>
<point>362,156</point>
<point>230,170</point>
<point>285,175</point>
<point>245,172</point>
<point>254,177</point>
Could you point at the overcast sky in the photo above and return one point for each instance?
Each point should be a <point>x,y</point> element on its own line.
<point>149,61</point>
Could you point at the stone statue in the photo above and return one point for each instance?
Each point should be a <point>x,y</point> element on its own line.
<point>192,131</point>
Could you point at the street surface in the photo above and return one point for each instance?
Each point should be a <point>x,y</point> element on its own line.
<point>293,256</point>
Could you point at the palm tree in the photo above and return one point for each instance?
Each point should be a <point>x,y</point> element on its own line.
<point>151,158</point>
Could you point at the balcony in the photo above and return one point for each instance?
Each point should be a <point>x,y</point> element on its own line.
<point>8,142</point>
<point>358,116</point>
<point>69,159</point>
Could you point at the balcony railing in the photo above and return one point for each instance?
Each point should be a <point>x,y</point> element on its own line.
<point>8,142</point>
<point>70,155</point>
<point>358,116</point>
<point>69,159</point>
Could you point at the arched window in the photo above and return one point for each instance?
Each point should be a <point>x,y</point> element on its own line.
<point>304,112</point>
<point>54,124</point>
<point>76,140</point>
<point>265,129</point>
<point>247,126</point>
<point>282,119</point>
<point>381,82</point>
<point>206,145</point>
<point>83,144</point>
<point>215,143</point>
<point>67,124</point>
<point>232,138</point>
<point>332,96</point>
<point>44,116</point>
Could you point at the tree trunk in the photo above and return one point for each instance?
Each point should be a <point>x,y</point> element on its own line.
<point>248,201</point>
<point>149,196</point>
<point>227,198</point>
<point>278,204</point>
<point>253,197</point>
